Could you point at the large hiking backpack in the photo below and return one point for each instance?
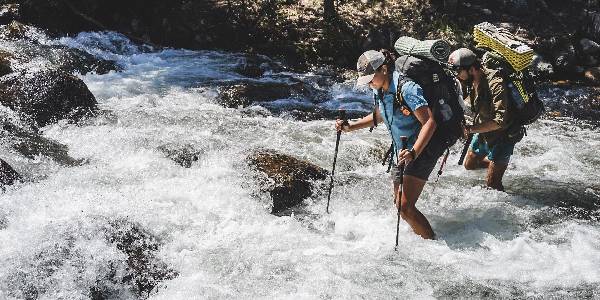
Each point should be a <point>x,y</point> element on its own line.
<point>439,90</point>
<point>512,59</point>
<point>525,102</point>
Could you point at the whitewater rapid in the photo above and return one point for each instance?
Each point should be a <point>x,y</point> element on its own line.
<point>540,238</point>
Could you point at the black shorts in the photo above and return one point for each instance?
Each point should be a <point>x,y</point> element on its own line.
<point>424,164</point>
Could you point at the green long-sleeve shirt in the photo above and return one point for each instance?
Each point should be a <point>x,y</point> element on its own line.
<point>491,103</point>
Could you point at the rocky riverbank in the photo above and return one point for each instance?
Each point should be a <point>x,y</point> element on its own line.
<point>565,34</point>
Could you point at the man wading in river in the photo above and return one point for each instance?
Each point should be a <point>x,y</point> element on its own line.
<point>486,92</point>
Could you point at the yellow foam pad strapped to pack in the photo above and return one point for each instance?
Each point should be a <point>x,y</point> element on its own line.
<point>518,55</point>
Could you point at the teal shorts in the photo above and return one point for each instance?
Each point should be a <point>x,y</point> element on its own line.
<point>499,153</point>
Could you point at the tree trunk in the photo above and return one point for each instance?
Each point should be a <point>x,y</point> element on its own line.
<point>330,13</point>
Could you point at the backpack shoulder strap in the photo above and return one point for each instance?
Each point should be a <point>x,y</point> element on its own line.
<point>399,98</point>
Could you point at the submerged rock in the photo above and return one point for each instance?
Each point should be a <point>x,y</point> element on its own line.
<point>292,178</point>
<point>244,94</point>
<point>105,258</point>
<point>183,155</point>
<point>30,143</point>
<point>144,270</point>
<point>5,64</point>
<point>47,96</point>
<point>8,175</point>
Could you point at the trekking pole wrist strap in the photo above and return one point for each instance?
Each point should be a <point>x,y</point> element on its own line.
<point>413,152</point>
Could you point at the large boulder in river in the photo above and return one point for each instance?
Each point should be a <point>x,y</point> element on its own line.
<point>47,96</point>
<point>8,175</point>
<point>292,178</point>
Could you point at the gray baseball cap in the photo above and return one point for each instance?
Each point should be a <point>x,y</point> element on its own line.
<point>367,65</point>
<point>462,57</point>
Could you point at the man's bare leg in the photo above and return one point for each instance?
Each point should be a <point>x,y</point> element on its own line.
<point>474,162</point>
<point>495,174</point>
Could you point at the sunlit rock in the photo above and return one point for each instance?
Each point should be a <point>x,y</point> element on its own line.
<point>47,96</point>
<point>592,75</point>
<point>292,178</point>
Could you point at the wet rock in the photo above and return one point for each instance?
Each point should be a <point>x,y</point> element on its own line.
<point>30,47</point>
<point>5,65</point>
<point>291,177</point>
<point>589,47</point>
<point>76,61</point>
<point>542,69</point>
<point>47,96</point>
<point>144,269</point>
<point>8,175</point>
<point>592,76</point>
<point>573,101</point>
<point>565,58</point>
<point>312,112</point>
<point>27,141</point>
<point>30,145</point>
<point>13,31</point>
<point>111,259</point>
<point>244,94</point>
<point>9,12</point>
<point>249,70</point>
<point>183,155</point>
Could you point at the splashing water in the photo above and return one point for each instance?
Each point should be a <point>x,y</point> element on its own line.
<point>539,239</point>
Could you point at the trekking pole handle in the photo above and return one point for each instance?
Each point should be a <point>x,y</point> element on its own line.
<point>342,116</point>
<point>404,141</point>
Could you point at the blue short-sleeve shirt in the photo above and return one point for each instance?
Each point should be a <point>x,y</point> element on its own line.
<point>397,123</point>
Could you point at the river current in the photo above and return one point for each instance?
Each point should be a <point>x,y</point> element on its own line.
<point>539,239</point>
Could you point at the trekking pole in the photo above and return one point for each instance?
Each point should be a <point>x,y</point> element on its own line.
<point>337,144</point>
<point>465,149</point>
<point>441,170</point>
<point>403,139</point>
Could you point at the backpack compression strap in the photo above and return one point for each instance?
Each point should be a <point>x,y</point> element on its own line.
<point>375,106</point>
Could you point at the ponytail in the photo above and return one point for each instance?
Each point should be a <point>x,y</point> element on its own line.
<point>390,59</point>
